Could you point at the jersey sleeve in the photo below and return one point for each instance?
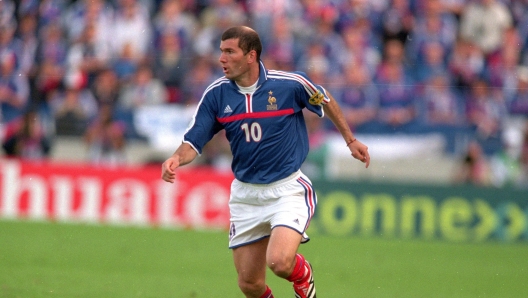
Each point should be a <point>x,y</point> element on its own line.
<point>312,96</point>
<point>203,125</point>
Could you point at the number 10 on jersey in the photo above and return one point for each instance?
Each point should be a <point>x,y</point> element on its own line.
<point>253,131</point>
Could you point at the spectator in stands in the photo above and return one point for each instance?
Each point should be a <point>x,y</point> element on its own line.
<point>363,14</point>
<point>394,51</point>
<point>26,137</point>
<point>357,50</point>
<point>8,42</point>
<point>397,21</point>
<point>105,138</point>
<point>284,47</point>
<point>87,56</point>
<point>173,19</point>
<point>48,80</point>
<point>501,69</point>
<point>96,13</point>
<point>466,64</point>
<point>325,35</point>
<point>485,110</point>
<point>358,98</point>
<point>502,75</point>
<point>484,22</point>
<point>143,90</point>
<point>73,108</point>
<point>132,31</point>
<point>440,107</point>
<point>51,11</point>
<point>171,65</point>
<point>50,61</point>
<point>274,13</point>
<point>433,63</point>
<point>519,9</point>
<point>455,7</point>
<point>223,12</point>
<point>397,111</point>
<point>14,88</point>
<point>53,47</point>
<point>27,35</point>
<point>315,63</point>
<point>125,64</point>
<point>518,102</point>
<point>215,18</point>
<point>28,7</point>
<point>474,167</point>
<point>199,77</point>
<point>432,24</point>
<point>7,11</point>
<point>105,88</point>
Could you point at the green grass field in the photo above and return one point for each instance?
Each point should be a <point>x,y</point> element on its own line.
<point>67,260</point>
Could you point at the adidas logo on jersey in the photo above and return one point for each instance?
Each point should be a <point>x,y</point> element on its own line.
<point>228,109</point>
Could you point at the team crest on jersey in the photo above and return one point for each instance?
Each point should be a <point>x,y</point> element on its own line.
<point>272,102</point>
<point>317,98</point>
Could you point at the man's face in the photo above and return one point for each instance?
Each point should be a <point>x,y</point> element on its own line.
<point>233,60</point>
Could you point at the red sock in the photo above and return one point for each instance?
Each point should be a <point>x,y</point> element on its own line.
<point>267,294</point>
<point>298,270</point>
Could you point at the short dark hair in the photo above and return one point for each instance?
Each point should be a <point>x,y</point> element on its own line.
<point>248,39</point>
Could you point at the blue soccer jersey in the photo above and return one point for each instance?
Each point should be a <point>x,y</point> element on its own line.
<point>265,128</point>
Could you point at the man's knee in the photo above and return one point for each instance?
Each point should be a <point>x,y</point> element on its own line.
<point>281,265</point>
<point>251,287</point>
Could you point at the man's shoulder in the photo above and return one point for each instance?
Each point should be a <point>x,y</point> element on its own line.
<point>217,84</point>
<point>296,80</point>
<point>291,79</point>
<point>287,75</point>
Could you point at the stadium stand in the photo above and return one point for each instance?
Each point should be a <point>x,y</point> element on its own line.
<point>448,73</point>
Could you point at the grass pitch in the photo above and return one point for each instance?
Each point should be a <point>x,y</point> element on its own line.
<point>70,260</point>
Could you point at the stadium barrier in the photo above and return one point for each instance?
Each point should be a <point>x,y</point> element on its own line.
<point>136,195</point>
<point>455,213</point>
<point>74,192</point>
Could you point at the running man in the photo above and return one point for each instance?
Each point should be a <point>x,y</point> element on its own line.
<point>271,201</point>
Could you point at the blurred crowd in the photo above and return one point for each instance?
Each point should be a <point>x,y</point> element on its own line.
<point>454,67</point>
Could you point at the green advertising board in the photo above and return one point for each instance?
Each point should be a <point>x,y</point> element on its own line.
<point>452,213</point>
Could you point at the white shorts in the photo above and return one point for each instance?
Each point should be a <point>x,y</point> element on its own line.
<point>258,208</point>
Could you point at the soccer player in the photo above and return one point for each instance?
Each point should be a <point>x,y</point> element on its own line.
<point>271,201</point>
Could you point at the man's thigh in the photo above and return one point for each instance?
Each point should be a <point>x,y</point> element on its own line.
<point>250,261</point>
<point>282,248</point>
<point>283,241</point>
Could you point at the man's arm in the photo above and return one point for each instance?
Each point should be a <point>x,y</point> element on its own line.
<point>182,156</point>
<point>333,111</point>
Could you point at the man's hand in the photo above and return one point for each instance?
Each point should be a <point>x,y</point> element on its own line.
<point>360,152</point>
<point>183,155</point>
<point>167,169</point>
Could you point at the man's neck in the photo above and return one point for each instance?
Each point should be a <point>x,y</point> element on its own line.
<point>251,78</point>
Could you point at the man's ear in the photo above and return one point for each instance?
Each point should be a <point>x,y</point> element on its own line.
<point>252,56</point>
